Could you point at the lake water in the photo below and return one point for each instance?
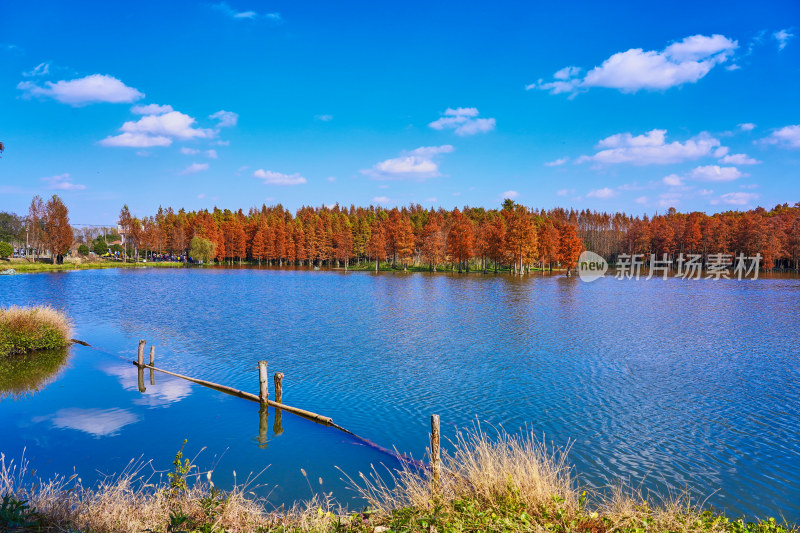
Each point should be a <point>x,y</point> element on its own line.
<point>667,384</point>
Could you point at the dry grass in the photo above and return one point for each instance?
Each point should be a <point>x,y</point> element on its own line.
<point>26,329</point>
<point>506,483</point>
<point>483,468</point>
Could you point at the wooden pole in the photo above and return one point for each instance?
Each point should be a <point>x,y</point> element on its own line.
<point>262,426</point>
<point>152,362</point>
<point>141,352</point>
<point>436,454</point>
<point>140,377</point>
<point>263,389</point>
<point>278,387</point>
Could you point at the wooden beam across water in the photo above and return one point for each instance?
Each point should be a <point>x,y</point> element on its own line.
<point>319,419</point>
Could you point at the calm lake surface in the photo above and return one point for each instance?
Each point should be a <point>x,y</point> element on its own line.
<point>667,384</point>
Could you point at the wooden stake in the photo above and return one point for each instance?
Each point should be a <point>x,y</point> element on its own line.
<point>262,426</point>
<point>152,355</point>
<point>436,454</point>
<point>263,389</point>
<point>278,387</point>
<point>141,352</point>
<point>140,376</point>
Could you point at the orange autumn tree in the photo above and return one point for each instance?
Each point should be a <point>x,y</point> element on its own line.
<point>433,241</point>
<point>459,240</point>
<point>376,244</point>
<point>57,231</point>
<point>570,247</point>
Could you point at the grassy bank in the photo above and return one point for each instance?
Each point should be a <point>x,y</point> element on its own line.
<point>23,266</point>
<point>28,329</point>
<point>508,483</point>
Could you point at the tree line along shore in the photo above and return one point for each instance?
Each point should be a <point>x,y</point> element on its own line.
<point>512,237</point>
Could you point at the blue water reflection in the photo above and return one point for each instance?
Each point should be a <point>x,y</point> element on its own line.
<point>669,384</point>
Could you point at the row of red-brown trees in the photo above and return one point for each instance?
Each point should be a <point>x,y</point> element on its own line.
<point>514,236</point>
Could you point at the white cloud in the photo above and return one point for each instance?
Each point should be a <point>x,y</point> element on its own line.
<point>738,198</point>
<point>716,173</point>
<point>722,151</point>
<point>244,15</point>
<point>331,179</point>
<point>788,137</point>
<point>89,90</point>
<point>509,195</point>
<point>382,200</point>
<point>194,168</point>
<point>42,69</point>
<point>685,61</point>
<point>747,126</point>
<point>211,154</point>
<point>641,200</point>
<point>62,182</point>
<point>172,124</point>
<point>739,159</point>
<point>673,180</point>
<point>650,149</point>
<point>136,140</point>
<point>557,162</point>
<point>431,200</point>
<point>226,119</point>
<point>417,164</point>
<point>151,109</point>
<point>96,422</point>
<point>565,192</point>
<point>783,37</point>
<point>602,194</point>
<point>276,178</point>
<point>464,121</point>
<point>323,118</point>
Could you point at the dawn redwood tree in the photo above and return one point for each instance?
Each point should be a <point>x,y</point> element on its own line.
<point>433,242</point>
<point>570,247</point>
<point>459,240</point>
<point>376,244</point>
<point>35,225</point>
<point>57,231</point>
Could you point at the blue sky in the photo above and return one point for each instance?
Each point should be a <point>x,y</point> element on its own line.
<point>626,107</point>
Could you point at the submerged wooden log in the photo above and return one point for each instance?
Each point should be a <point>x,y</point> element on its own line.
<point>325,420</point>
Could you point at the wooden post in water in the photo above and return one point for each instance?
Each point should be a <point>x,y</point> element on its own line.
<point>262,427</point>
<point>277,425</point>
<point>263,389</point>
<point>278,387</point>
<point>141,352</point>
<point>140,378</point>
<point>436,454</point>
<point>152,364</point>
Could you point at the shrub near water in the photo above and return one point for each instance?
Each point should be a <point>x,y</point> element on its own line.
<point>26,329</point>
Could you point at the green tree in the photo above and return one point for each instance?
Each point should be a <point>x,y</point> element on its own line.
<point>201,249</point>
<point>6,250</point>
<point>83,249</point>
<point>100,247</point>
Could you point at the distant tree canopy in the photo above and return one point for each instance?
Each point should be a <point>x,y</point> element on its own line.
<point>83,249</point>
<point>100,247</point>
<point>201,249</point>
<point>514,236</point>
